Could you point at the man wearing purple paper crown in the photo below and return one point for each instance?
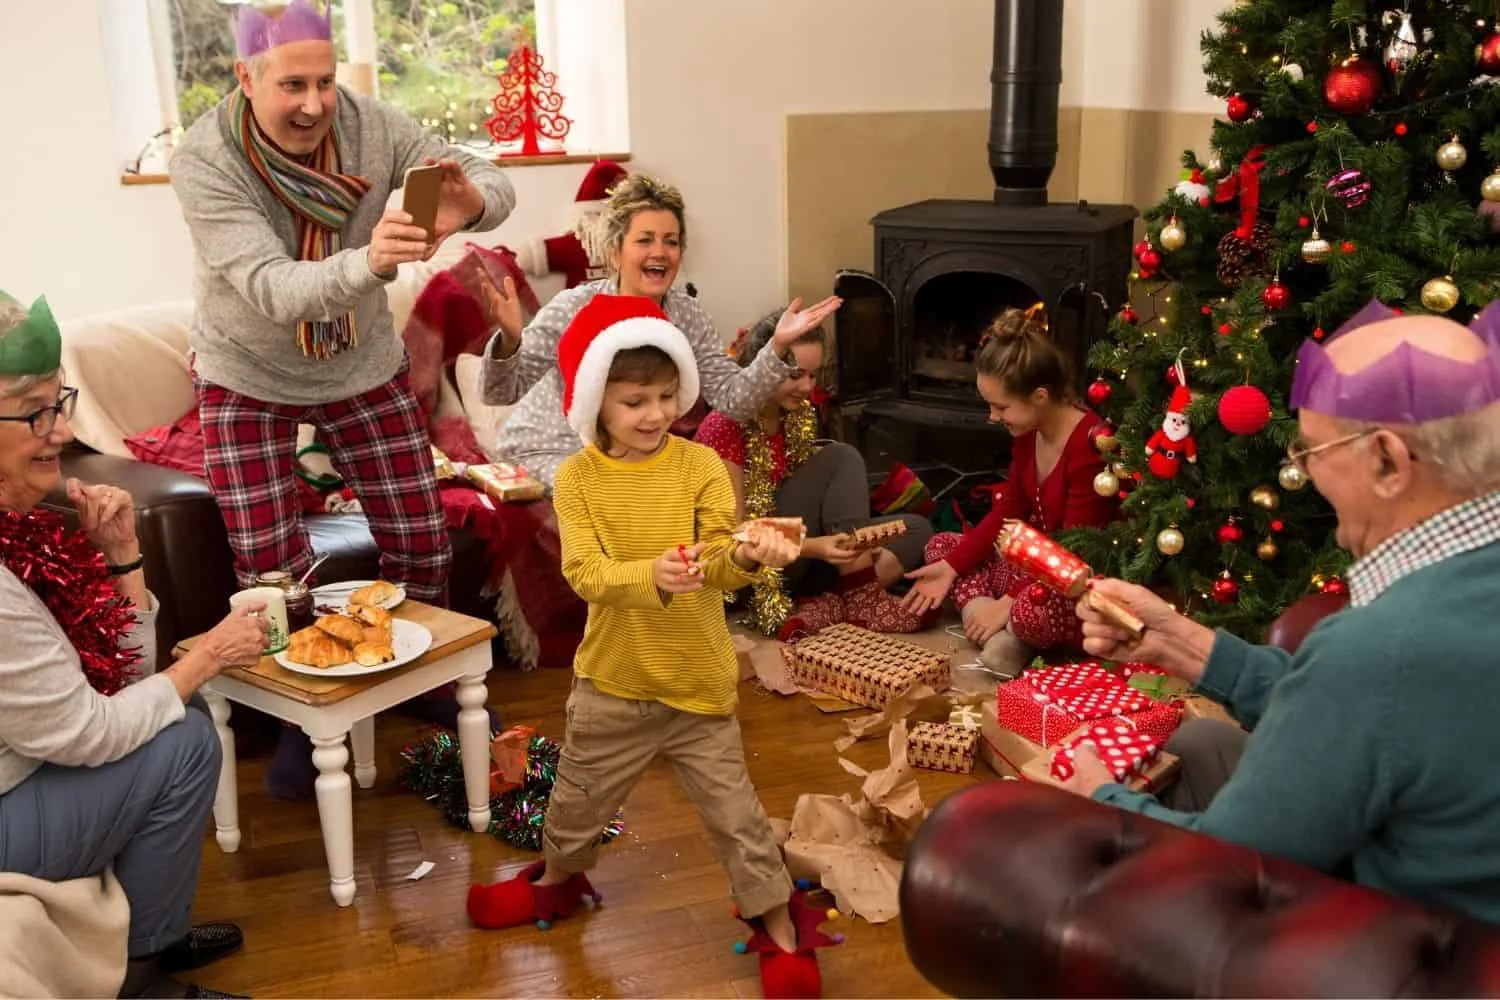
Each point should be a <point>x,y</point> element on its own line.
<point>1371,750</point>
<point>284,187</point>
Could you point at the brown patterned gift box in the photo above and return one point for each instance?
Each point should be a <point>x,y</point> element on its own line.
<point>864,667</point>
<point>940,747</point>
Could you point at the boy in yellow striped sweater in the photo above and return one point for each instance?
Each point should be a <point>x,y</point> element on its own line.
<point>646,521</point>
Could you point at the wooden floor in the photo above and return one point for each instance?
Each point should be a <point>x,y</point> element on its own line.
<point>665,928</point>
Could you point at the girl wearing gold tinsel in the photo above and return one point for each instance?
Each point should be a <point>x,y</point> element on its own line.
<point>779,469</point>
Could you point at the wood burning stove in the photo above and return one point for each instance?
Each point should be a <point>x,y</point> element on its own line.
<point>907,334</point>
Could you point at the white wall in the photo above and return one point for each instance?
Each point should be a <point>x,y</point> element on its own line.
<point>1144,54</point>
<point>70,230</point>
<point>712,81</point>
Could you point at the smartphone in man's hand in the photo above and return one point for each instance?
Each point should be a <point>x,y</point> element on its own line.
<point>421,191</point>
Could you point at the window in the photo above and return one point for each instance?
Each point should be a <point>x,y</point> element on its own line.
<point>436,59</point>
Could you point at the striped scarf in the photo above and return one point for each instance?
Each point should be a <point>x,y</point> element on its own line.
<point>322,199</point>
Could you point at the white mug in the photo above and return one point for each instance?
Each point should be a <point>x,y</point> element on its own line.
<point>274,598</point>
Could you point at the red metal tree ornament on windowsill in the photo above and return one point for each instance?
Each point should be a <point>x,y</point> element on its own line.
<point>528,106</point>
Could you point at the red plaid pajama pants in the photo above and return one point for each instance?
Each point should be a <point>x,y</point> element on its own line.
<point>377,443</point>
<point>1045,624</point>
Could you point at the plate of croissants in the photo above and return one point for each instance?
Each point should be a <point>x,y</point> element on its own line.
<point>363,640</point>
<point>379,593</point>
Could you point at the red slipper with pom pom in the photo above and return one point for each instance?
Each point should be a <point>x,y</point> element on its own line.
<point>520,900</point>
<point>792,975</point>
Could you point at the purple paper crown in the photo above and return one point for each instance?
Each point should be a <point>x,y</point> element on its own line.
<point>258,28</point>
<point>1408,385</point>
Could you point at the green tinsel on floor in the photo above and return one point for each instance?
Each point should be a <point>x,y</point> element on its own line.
<point>432,769</point>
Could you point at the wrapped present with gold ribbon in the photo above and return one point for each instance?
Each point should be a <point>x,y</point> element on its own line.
<point>442,467</point>
<point>939,747</point>
<point>505,483</point>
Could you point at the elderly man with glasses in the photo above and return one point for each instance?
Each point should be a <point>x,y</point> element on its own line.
<point>1370,751</point>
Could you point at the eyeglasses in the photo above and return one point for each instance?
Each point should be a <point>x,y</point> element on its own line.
<point>43,421</point>
<point>1298,456</point>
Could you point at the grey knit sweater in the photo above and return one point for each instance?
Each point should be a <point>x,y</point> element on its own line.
<point>48,711</point>
<point>251,289</point>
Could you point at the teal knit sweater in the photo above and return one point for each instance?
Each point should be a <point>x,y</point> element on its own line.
<point>1378,743</point>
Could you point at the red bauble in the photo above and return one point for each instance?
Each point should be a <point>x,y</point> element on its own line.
<point>1099,391</point>
<point>1319,333</point>
<point>1276,295</point>
<point>1487,55</point>
<point>1171,374</point>
<point>1335,587</point>
<point>1278,525</point>
<point>1244,410</point>
<point>1238,108</point>
<point>1225,590</point>
<point>1230,533</point>
<point>1353,86</point>
<point>1129,315</point>
<point>1150,260</point>
<point>1036,593</point>
<point>1141,248</point>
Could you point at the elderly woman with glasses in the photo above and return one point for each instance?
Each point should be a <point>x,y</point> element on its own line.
<point>103,760</point>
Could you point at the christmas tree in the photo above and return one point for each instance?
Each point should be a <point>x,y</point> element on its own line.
<point>1360,159</point>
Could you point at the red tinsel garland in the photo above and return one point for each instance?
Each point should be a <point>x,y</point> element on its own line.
<point>66,570</point>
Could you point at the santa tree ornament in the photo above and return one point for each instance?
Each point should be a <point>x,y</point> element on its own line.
<point>1173,441</point>
<point>580,253</point>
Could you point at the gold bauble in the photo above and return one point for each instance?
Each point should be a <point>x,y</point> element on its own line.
<point>1291,477</point>
<point>1121,469</point>
<point>1216,164</point>
<point>1266,550</point>
<point>1452,155</point>
<point>1170,542</point>
<point>1316,250</point>
<point>1440,294</point>
<point>1173,236</point>
<point>1105,484</point>
<point>1106,443</point>
<point>1489,188</point>
<point>1265,497</point>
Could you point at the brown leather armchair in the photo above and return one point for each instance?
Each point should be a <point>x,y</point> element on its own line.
<point>1018,889</point>
<point>189,566</point>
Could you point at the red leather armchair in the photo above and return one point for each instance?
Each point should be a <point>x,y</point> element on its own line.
<point>1019,889</point>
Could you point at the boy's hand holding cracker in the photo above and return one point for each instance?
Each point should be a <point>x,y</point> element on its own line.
<point>676,570</point>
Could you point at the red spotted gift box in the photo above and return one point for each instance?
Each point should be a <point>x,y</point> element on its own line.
<point>1033,714</point>
<point>1125,750</point>
<point>1068,676</point>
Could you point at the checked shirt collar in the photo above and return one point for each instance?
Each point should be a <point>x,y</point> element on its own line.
<point>1459,529</point>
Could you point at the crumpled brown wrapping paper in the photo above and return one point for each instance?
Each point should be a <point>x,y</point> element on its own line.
<point>855,847</point>
<point>920,704</point>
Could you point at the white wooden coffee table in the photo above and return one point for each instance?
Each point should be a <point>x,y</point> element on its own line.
<point>335,709</point>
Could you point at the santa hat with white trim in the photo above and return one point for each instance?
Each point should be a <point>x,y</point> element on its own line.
<point>604,327</point>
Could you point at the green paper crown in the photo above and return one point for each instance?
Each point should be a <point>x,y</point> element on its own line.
<point>35,346</point>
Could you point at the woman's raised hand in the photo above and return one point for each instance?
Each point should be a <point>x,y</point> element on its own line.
<point>796,321</point>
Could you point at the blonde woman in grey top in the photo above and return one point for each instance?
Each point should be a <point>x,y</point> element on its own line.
<point>642,234</point>
<point>90,780</point>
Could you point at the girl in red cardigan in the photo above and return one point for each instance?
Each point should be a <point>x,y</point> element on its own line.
<point>1028,384</point>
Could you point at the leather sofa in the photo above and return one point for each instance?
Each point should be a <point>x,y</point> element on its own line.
<point>189,566</point>
<point>1018,889</point>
